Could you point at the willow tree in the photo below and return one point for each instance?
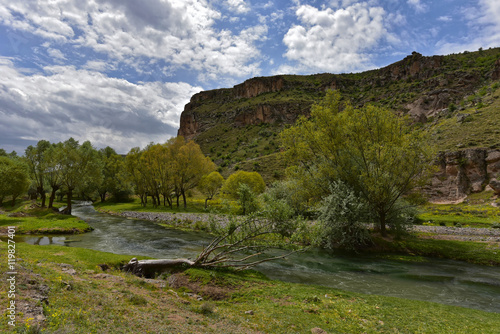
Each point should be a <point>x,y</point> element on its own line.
<point>14,179</point>
<point>35,157</point>
<point>80,165</point>
<point>371,150</point>
<point>210,185</point>
<point>192,165</point>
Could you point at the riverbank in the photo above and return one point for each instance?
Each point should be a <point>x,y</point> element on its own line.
<point>29,218</point>
<point>66,290</point>
<point>473,245</point>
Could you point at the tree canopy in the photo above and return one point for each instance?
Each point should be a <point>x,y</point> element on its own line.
<point>252,179</point>
<point>371,150</point>
<point>14,179</point>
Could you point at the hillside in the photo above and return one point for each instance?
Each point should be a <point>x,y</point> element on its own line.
<point>454,96</point>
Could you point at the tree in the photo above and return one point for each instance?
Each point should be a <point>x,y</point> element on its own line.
<point>252,179</point>
<point>247,199</point>
<point>80,166</point>
<point>113,171</point>
<point>54,175</point>
<point>210,185</point>
<point>241,244</point>
<point>14,178</point>
<point>135,173</point>
<point>371,150</point>
<point>192,165</point>
<point>37,166</point>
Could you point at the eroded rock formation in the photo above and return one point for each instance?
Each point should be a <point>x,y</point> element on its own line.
<point>464,172</point>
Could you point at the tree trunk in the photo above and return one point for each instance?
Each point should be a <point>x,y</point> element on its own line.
<point>150,268</point>
<point>184,199</point>
<point>206,201</point>
<point>53,196</point>
<point>383,230</point>
<point>69,196</point>
<point>41,191</point>
<point>102,196</point>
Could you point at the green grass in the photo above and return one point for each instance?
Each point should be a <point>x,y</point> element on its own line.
<point>29,219</point>
<point>122,303</point>
<point>195,204</point>
<point>476,211</point>
<point>472,252</point>
<point>481,128</point>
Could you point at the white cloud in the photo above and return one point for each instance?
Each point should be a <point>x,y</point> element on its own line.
<point>445,18</point>
<point>335,40</point>
<point>484,29</point>
<point>238,6</point>
<point>88,105</point>
<point>56,54</point>
<point>419,7</point>
<point>181,32</point>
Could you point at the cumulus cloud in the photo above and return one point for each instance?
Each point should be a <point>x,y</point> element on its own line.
<point>64,101</point>
<point>181,32</point>
<point>335,40</point>
<point>238,6</point>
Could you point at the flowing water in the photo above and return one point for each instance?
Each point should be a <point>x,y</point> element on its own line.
<point>441,281</point>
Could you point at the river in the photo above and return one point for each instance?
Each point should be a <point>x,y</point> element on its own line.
<point>442,281</point>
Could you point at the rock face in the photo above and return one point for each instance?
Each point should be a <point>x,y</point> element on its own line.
<point>464,172</point>
<point>209,108</point>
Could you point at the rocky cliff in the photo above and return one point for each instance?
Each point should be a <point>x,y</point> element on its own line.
<point>463,172</point>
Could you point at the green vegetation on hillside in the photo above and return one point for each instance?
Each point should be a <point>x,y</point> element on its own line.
<point>475,122</point>
<point>464,80</point>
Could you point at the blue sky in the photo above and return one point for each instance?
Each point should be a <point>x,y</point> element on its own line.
<point>119,72</point>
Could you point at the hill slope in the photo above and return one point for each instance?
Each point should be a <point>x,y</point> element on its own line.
<point>451,95</point>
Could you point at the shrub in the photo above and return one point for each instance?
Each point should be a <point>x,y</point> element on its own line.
<point>495,225</point>
<point>342,216</point>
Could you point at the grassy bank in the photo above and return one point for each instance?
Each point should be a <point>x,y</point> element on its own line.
<point>481,253</point>
<point>194,205</point>
<point>68,288</point>
<point>29,218</point>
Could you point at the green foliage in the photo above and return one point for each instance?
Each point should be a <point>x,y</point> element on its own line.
<point>247,199</point>
<point>370,149</point>
<point>81,168</point>
<point>252,179</point>
<point>114,179</point>
<point>210,185</point>
<point>169,169</point>
<point>343,216</point>
<point>14,179</point>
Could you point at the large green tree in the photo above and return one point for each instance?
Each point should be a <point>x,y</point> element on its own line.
<point>37,165</point>
<point>192,165</point>
<point>54,169</point>
<point>253,180</point>
<point>371,150</point>
<point>81,166</point>
<point>14,179</point>
<point>114,180</point>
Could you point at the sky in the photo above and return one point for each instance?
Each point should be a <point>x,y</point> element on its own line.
<point>119,72</point>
